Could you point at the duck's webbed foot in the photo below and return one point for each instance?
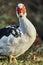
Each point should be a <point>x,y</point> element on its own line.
<point>12,60</point>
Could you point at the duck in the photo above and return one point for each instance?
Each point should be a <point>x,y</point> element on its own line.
<point>16,40</point>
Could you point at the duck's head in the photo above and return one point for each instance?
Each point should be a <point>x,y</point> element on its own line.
<point>21,10</point>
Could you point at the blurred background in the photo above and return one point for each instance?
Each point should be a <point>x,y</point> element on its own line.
<point>34,13</point>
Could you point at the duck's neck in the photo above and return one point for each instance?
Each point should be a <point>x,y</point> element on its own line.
<point>27,27</point>
<point>23,24</point>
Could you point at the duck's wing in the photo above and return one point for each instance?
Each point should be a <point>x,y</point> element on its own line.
<point>7,38</point>
<point>10,30</point>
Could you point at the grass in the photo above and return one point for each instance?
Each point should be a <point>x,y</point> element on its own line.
<point>6,20</point>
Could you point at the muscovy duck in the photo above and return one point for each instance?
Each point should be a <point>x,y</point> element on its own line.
<point>14,41</point>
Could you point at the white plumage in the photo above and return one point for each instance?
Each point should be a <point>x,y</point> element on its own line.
<point>15,46</point>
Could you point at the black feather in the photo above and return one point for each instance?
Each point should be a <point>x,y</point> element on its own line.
<point>8,30</point>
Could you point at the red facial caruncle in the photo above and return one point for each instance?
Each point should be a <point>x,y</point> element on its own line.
<point>21,10</point>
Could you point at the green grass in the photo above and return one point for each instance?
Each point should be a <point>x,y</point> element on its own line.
<point>6,20</point>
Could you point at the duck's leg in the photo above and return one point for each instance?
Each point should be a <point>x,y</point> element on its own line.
<point>12,59</point>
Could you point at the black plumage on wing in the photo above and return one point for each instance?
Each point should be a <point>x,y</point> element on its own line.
<point>9,30</point>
